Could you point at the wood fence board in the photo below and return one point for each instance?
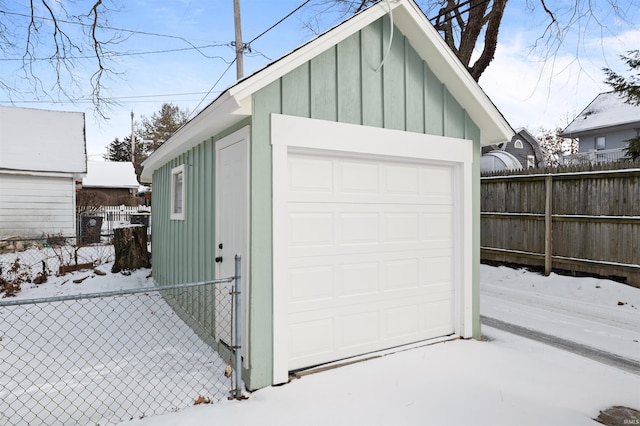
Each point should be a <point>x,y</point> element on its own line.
<point>595,221</point>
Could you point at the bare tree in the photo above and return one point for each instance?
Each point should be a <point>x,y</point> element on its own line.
<point>471,27</point>
<point>554,146</point>
<point>68,40</point>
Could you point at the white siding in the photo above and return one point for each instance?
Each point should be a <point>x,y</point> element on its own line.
<point>36,205</point>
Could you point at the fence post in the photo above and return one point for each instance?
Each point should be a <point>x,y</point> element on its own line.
<point>237,368</point>
<point>548,224</point>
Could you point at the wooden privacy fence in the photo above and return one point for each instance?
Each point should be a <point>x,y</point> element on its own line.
<point>586,222</point>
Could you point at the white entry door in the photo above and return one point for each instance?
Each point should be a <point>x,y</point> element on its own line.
<point>232,213</point>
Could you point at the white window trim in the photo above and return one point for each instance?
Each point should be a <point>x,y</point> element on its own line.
<point>174,215</point>
<point>518,144</point>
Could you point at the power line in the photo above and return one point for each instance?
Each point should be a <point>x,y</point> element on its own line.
<point>211,90</point>
<point>106,27</point>
<point>248,47</point>
<point>278,23</point>
<point>458,13</point>
<point>120,54</point>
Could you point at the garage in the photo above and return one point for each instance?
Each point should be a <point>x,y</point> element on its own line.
<point>370,254</point>
<point>360,195</point>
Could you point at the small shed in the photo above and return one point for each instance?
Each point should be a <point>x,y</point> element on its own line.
<point>42,154</point>
<point>498,160</point>
<point>346,175</point>
<point>116,180</point>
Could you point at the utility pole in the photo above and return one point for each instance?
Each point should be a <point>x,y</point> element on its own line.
<point>239,45</point>
<point>133,143</point>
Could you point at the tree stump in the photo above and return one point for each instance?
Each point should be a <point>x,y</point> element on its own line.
<point>130,246</point>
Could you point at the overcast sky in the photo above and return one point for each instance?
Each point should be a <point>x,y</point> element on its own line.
<point>161,64</point>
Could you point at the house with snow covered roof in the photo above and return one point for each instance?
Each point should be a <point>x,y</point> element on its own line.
<point>42,154</point>
<point>604,128</point>
<point>116,180</point>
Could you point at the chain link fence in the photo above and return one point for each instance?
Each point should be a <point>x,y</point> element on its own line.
<point>108,357</point>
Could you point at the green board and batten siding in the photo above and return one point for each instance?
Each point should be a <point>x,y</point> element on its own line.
<point>340,84</point>
<point>185,249</point>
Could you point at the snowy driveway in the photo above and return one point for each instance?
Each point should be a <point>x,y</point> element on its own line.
<point>594,313</point>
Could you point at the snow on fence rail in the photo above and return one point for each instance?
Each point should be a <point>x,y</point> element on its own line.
<point>108,357</point>
<point>583,222</point>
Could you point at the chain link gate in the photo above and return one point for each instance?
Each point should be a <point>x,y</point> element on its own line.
<point>103,358</point>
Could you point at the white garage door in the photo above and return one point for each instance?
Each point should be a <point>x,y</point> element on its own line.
<point>370,250</point>
<point>370,255</point>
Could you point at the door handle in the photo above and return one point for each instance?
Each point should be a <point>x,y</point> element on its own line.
<point>218,259</point>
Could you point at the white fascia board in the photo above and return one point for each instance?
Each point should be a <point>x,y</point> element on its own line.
<point>450,71</point>
<point>222,113</point>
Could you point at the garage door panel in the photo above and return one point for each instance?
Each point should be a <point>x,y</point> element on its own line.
<point>311,284</point>
<point>358,177</point>
<point>357,279</point>
<point>356,330</point>
<point>436,226</point>
<point>401,274</point>
<point>437,269</point>
<point>310,174</point>
<point>312,338</point>
<point>304,310</point>
<point>400,226</point>
<point>400,322</point>
<point>400,179</point>
<point>311,229</point>
<point>358,228</point>
<point>369,255</point>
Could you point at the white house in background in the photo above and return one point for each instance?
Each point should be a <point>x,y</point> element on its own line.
<point>42,154</point>
<point>603,129</point>
<point>117,180</point>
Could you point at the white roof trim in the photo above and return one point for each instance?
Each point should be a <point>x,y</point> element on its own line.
<point>235,103</point>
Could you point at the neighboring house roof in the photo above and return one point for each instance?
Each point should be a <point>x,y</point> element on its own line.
<point>104,174</point>
<point>606,110</point>
<point>35,140</point>
<point>234,104</point>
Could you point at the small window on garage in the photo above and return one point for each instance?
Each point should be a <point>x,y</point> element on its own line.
<point>600,142</point>
<point>177,193</point>
<point>518,144</point>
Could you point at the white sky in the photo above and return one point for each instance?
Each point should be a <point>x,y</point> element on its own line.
<point>528,91</point>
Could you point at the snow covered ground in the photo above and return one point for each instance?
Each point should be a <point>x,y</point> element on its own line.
<point>595,312</point>
<point>504,380</point>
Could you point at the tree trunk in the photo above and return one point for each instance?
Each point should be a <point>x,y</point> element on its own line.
<point>130,246</point>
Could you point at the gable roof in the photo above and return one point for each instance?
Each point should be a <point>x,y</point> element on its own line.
<point>110,174</point>
<point>37,140</point>
<point>234,104</point>
<point>608,109</point>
